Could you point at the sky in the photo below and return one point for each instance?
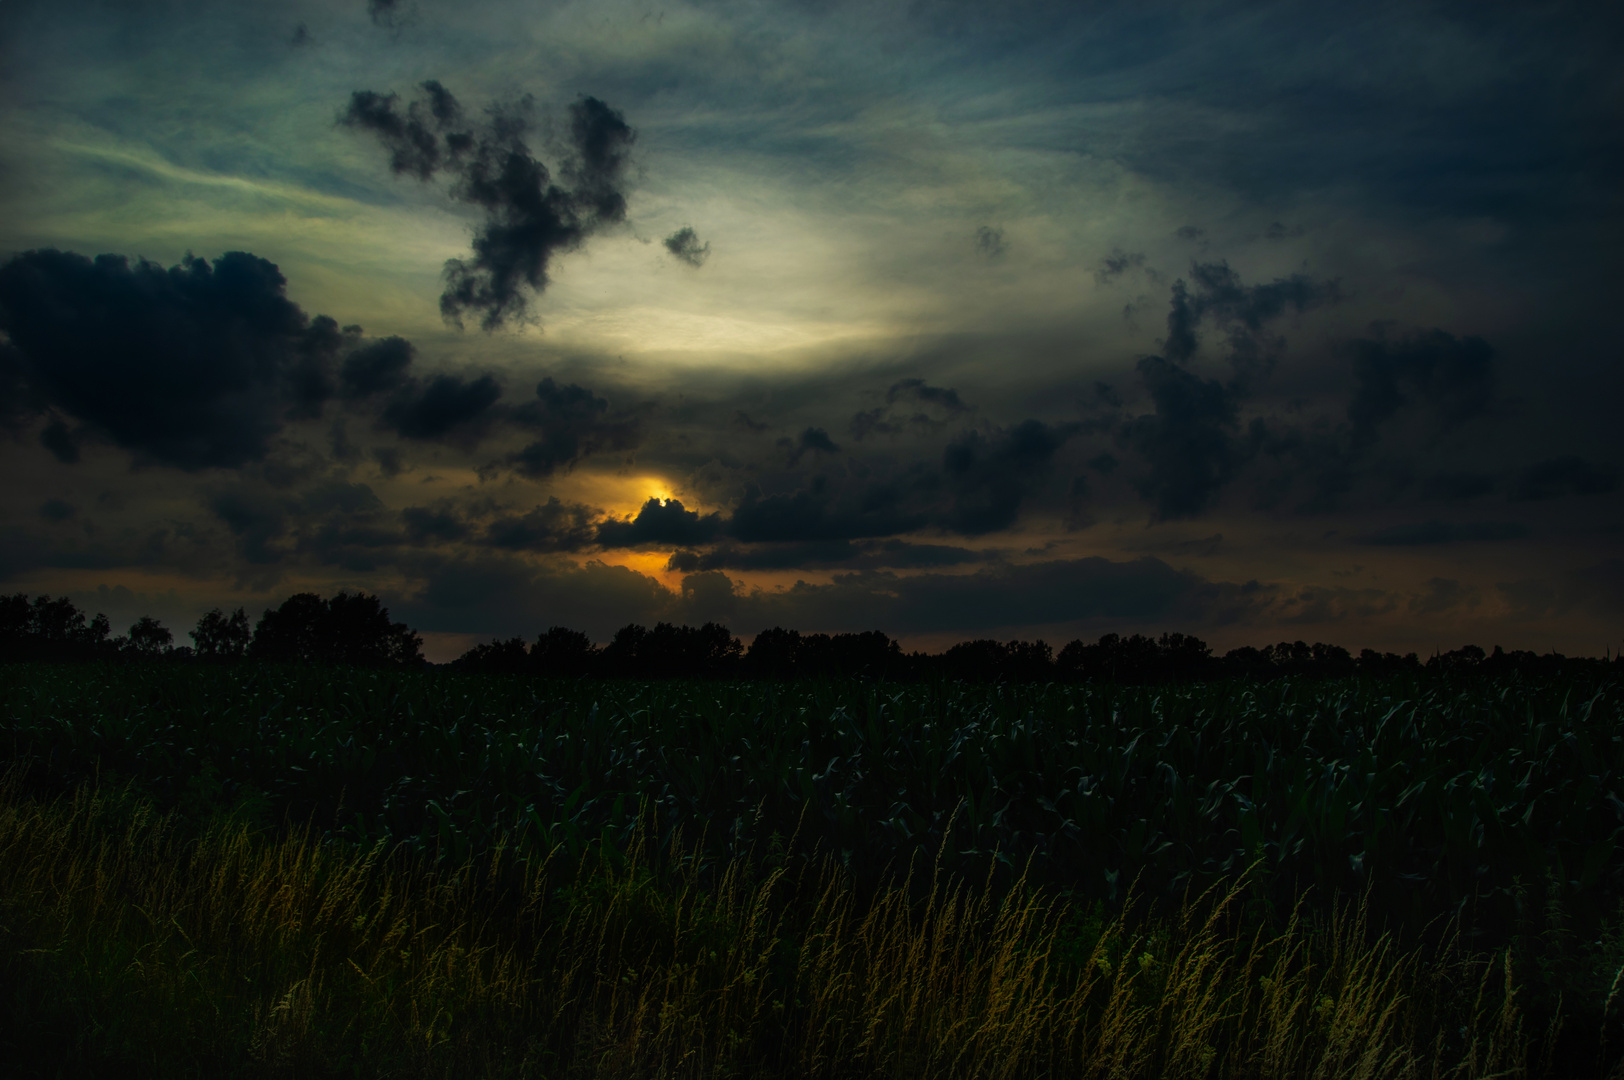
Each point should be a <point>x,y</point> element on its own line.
<point>1257,322</point>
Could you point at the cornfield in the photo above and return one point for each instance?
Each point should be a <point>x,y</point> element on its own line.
<point>283,871</point>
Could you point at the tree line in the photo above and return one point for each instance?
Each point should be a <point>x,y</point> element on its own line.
<point>355,629</point>
<point>711,651</point>
<point>349,628</point>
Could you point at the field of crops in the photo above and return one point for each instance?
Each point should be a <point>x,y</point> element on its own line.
<point>1483,808</point>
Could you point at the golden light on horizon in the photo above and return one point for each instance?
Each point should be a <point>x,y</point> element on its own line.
<point>619,496</point>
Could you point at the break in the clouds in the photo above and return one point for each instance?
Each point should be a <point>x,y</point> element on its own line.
<point>1030,320</point>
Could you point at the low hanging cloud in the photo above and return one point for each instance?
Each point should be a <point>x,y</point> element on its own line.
<point>811,441</point>
<point>1453,377</point>
<point>1189,442</point>
<point>572,422</point>
<point>1240,312</point>
<point>661,524</point>
<point>932,407</point>
<point>872,509</point>
<point>685,246</point>
<point>1440,594</point>
<point>1422,533</point>
<point>1568,475</point>
<point>991,475</point>
<point>196,366</point>
<point>826,554</point>
<point>202,365</point>
<point>1192,441</point>
<point>531,216</point>
<point>443,407</point>
<point>552,526</point>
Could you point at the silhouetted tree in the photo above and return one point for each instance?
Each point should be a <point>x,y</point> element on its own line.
<point>221,637</point>
<point>773,653</point>
<point>562,651</point>
<point>508,657</point>
<point>47,629</point>
<point>351,628</point>
<point>669,651</point>
<point>149,637</point>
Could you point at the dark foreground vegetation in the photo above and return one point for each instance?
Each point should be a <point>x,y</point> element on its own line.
<point>272,869</point>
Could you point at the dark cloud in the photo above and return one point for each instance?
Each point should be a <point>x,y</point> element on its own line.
<point>1564,476</point>
<point>57,510</point>
<point>1190,442</point>
<point>661,524</point>
<point>301,37</point>
<point>389,460</point>
<point>1453,376</point>
<point>573,422</point>
<point>1439,595</point>
<point>684,245</point>
<point>529,218</point>
<point>1117,263</point>
<point>333,521</point>
<point>390,14</point>
<point>256,520</point>
<point>877,421</point>
<point>1443,532</point>
<point>815,554</point>
<point>196,366</point>
<point>62,443</point>
<point>918,390</point>
<point>1453,486</point>
<point>874,509</point>
<point>1190,232</point>
<point>991,475</point>
<point>824,554</point>
<point>1595,590</point>
<point>492,592</point>
<point>554,526</point>
<point>376,368</point>
<point>1277,231</point>
<point>1203,546</point>
<point>1057,592</point>
<point>430,526</point>
<point>1320,604</point>
<point>990,241</point>
<point>741,419</point>
<point>813,440</point>
<point>934,407</point>
<point>444,406</point>
<point>1239,311</point>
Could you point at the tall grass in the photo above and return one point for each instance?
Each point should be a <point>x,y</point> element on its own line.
<point>134,945</point>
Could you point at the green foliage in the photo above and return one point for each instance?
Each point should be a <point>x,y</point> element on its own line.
<point>133,945</point>
<point>1490,800</point>
<point>221,637</point>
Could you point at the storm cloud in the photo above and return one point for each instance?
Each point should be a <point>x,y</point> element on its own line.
<point>531,216</point>
<point>572,422</point>
<point>1453,377</point>
<point>196,366</point>
<point>661,524</point>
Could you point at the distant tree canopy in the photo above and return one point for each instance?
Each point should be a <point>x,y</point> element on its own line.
<point>669,651</point>
<point>355,629</point>
<point>47,629</point>
<point>351,628</point>
<point>221,637</point>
